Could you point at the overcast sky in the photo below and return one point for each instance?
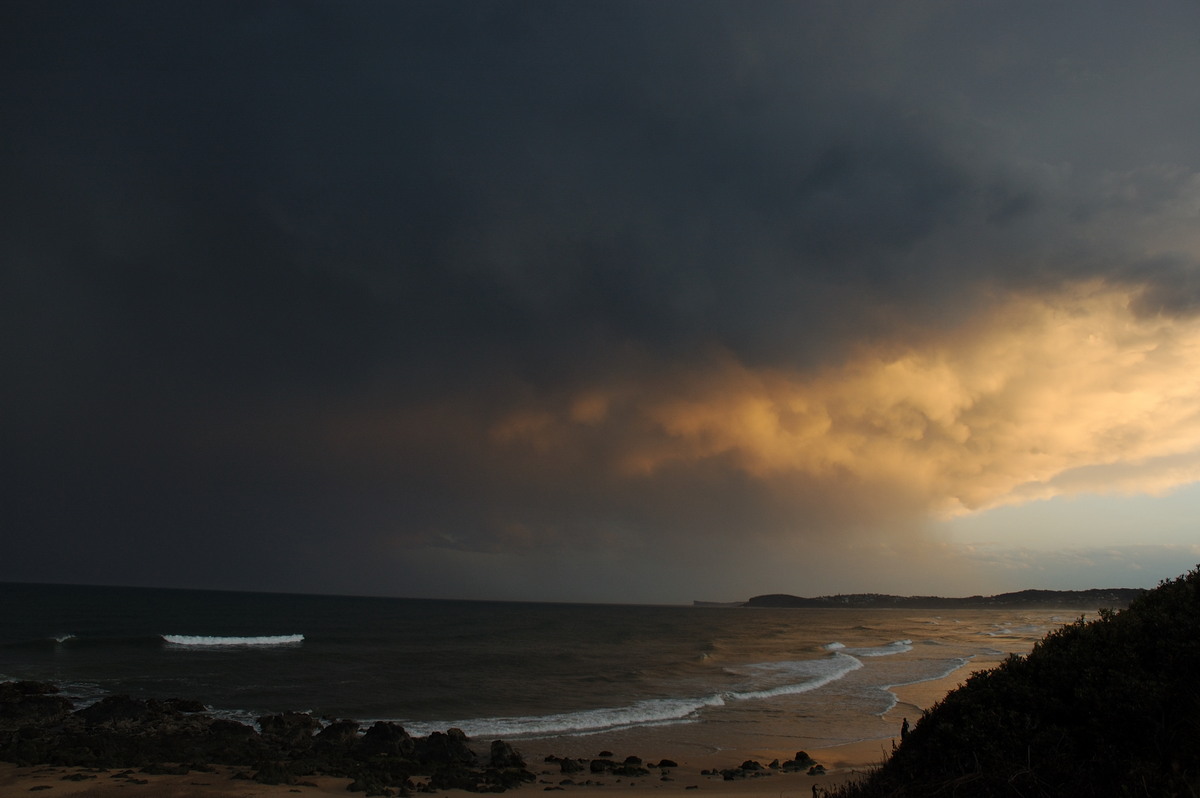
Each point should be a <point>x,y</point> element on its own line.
<point>600,301</point>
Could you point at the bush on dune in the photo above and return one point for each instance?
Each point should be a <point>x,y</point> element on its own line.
<point>1109,707</point>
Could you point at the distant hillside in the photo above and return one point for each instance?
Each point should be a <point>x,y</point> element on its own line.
<point>1115,597</point>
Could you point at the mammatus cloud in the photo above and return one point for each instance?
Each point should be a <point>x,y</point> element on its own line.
<point>1042,396</point>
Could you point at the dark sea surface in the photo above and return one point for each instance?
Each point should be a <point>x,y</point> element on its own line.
<point>664,680</point>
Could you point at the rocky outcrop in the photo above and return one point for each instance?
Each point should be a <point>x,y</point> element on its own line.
<point>38,726</point>
<point>293,730</point>
<point>33,704</point>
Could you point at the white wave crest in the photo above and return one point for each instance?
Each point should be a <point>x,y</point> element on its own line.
<point>200,640</point>
<point>799,676</point>
<point>775,679</point>
<point>895,647</point>
<point>63,638</point>
<point>834,646</point>
<point>651,712</point>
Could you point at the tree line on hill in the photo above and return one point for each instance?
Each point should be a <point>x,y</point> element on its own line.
<point>1092,599</point>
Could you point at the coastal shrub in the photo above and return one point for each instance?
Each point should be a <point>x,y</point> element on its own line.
<point>1108,707</point>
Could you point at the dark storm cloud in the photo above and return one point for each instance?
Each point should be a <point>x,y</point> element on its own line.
<point>277,272</point>
<point>604,170</point>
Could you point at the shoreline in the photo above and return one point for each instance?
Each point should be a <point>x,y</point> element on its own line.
<point>843,763</point>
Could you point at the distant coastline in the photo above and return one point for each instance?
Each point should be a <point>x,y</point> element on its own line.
<point>1095,598</point>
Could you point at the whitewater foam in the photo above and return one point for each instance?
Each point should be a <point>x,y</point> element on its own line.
<point>650,712</point>
<point>895,647</point>
<point>787,677</point>
<point>208,641</point>
<point>800,676</point>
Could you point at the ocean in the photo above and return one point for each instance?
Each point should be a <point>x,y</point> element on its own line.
<point>660,681</point>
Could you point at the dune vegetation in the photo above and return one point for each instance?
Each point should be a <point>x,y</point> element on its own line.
<point>1106,707</point>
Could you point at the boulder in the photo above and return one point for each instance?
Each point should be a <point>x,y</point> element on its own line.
<point>341,735</point>
<point>118,711</point>
<point>124,732</point>
<point>568,765</point>
<point>802,762</point>
<point>24,704</point>
<point>385,739</point>
<point>450,748</point>
<point>503,755</point>
<point>291,730</point>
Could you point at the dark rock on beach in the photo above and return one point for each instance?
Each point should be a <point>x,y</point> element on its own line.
<point>504,755</point>
<point>506,768</point>
<point>802,761</point>
<point>292,729</point>
<point>567,765</point>
<point>339,735</point>
<point>386,739</point>
<point>450,748</point>
<point>31,704</point>
<point>38,726</point>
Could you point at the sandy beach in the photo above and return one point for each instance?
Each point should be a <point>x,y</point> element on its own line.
<point>68,781</point>
<point>842,763</point>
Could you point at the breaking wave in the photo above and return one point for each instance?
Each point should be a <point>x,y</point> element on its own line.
<point>651,712</point>
<point>764,680</point>
<point>895,647</point>
<point>792,677</point>
<point>212,642</point>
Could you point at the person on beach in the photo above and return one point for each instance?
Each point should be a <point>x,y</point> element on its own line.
<point>903,730</point>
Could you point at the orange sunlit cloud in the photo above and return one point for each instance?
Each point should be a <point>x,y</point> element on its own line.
<point>1043,396</point>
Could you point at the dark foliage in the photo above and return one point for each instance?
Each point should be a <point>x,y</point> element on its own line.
<point>1109,707</point>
